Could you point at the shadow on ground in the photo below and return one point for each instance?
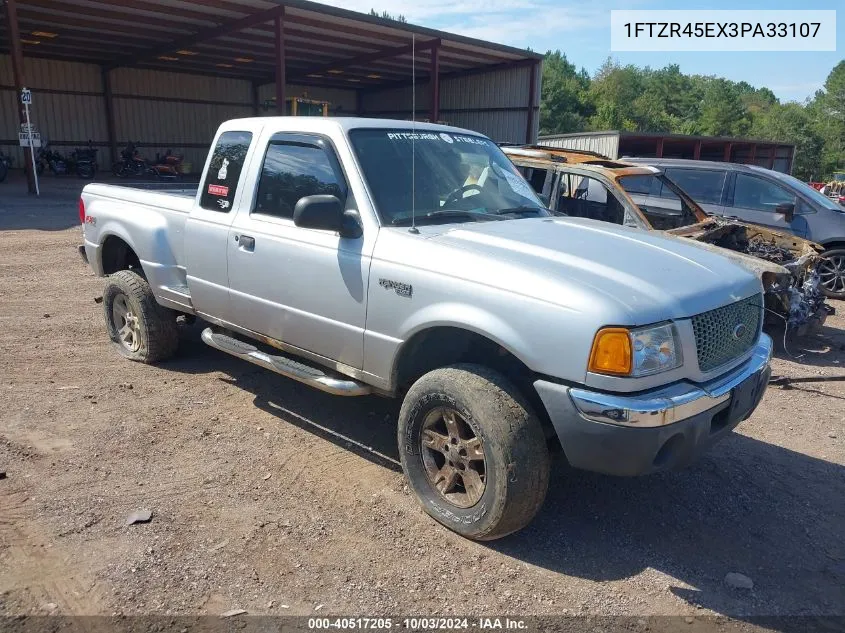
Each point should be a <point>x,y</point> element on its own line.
<point>772,514</point>
<point>825,348</point>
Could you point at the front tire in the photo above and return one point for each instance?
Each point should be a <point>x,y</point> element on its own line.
<point>473,451</point>
<point>832,273</point>
<point>139,327</point>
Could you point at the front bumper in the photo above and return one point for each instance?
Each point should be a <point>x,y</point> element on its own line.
<point>654,430</point>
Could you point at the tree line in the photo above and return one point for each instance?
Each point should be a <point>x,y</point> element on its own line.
<point>666,100</point>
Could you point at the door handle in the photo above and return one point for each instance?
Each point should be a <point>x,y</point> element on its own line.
<point>246,243</point>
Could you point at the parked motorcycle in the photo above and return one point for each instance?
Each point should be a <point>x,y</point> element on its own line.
<point>168,166</point>
<point>47,158</point>
<point>5,165</point>
<point>131,163</point>
<point>85,160</point>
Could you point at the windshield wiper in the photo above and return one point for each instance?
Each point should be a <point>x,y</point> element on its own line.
<point>446,214</point>
<point>522,209</point>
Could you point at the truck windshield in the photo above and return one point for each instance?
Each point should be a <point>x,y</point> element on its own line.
<point>457,178</point>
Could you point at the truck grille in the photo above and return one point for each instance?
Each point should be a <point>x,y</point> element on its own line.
<point>719,338</point>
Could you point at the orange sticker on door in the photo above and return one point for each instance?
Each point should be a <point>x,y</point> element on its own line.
<point>218,190</point>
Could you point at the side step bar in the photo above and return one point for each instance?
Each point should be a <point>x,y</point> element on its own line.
<point>317,378</point>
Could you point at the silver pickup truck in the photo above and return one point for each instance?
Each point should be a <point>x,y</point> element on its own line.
<point>364,256</point>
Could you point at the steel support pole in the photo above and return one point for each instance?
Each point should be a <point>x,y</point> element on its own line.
<point>20,83</point>
<point>280,63</point>
<point>110,126</point>
<point>434,78</point>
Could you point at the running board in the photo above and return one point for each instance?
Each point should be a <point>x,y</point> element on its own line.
<point>285,366</point>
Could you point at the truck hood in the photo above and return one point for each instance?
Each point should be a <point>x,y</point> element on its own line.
<point>637,276</point>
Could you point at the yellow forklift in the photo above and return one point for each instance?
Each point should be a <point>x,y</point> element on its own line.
<point>300,106</point>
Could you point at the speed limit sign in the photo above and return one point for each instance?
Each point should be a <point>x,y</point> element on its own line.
<point>26,96</point>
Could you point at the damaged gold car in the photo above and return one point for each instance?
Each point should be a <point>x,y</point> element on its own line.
<point>588,185</point>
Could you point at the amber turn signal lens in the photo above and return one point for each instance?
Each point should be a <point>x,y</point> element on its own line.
<point>611,353</point>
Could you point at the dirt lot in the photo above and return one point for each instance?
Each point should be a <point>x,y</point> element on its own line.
<point>270,497</point>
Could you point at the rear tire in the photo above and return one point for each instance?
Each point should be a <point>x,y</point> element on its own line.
<point>139,327</point>
<point>473,451</point>
<point>832,273</point>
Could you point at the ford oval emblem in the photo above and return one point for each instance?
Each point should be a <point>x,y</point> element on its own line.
<point>739,331</point>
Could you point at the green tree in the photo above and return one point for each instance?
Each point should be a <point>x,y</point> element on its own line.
<point>387,16</point>
<point>666,100</point>
<point>722,110</point>
<point>792,123</point>
<point>828,111</point>
<point>564,104</point>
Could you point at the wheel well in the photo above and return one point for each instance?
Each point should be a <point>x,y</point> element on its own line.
<point>118,255</point>
<point>443,346</point>
<point>831,245</point>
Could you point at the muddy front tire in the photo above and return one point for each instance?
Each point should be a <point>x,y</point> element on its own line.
<point>139,328</point>
<point>473,451</point>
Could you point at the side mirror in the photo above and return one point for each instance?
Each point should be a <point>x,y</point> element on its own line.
<point>326,214</point>
<point>787,209</point>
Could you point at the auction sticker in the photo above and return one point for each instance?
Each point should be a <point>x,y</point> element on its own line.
<point>218,190</point>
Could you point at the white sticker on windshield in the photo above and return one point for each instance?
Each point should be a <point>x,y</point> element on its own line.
<point>446,137</point>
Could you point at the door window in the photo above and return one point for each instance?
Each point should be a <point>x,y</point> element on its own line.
<point>292,171</point>
<point>585,197</point>
<point>702,185</point>
<point>536,177</point>
<point>224,171</point>
<point>758,194</point>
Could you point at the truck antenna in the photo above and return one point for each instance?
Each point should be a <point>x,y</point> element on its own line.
<point>413,228</point>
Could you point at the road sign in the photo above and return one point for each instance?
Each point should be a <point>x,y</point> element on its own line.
<point>24,137</point>
<point>26,96</point>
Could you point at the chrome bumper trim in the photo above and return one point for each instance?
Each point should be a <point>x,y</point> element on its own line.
<point>673,403</point>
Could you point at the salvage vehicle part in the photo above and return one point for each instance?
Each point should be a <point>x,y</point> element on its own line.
<point>588,185</point>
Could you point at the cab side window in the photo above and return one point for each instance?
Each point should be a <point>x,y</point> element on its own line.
<point>536,178</point>
<point>224,171</point>
<point>755,193</point>
<point>293,170</point>
<point>585,197</point>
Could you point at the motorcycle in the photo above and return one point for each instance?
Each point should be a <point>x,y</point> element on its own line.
<point>131,163</point>
<point>85,161</point>
<point>46,158</point>
<point>5,165</point>
<point>168,166</point>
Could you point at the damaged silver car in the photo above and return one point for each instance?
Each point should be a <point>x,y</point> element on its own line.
<point>588,185</point>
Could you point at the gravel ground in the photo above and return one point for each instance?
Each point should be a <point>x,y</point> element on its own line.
<point>274,498</point>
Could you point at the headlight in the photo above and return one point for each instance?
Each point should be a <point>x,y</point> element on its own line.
<point>639,352</point>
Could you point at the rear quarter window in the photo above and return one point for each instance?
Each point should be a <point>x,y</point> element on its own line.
<point>224,171</point>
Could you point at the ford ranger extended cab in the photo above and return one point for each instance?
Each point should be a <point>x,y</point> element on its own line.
<point>364,256</point>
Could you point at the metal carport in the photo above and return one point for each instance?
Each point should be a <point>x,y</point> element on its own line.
<point>166,72</point>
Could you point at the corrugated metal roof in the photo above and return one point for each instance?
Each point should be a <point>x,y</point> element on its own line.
<point>657,135</point>
<point>236,38</point>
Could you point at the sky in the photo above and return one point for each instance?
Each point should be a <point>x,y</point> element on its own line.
<point>581,30</point>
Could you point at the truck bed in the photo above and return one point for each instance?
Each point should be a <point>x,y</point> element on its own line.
<point>170,196</point>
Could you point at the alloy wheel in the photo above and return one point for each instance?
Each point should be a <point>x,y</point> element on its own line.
<point>453,456</point>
